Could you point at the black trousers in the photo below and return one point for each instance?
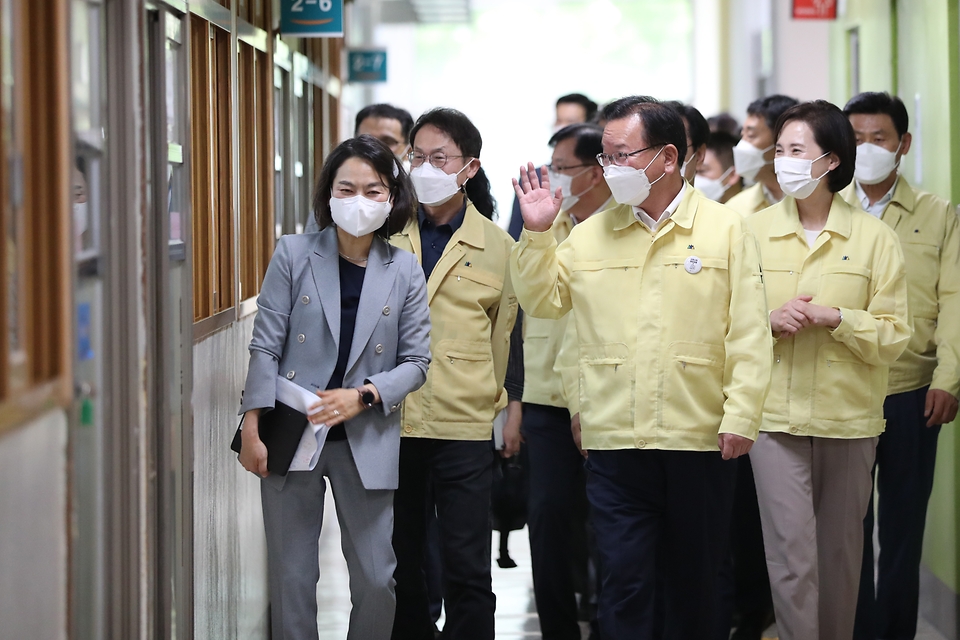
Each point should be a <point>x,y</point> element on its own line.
<point>906,454</point>
<point>653,507</point>
<point>744,583</point>
<point>460,474</point>
<point>556,518</point>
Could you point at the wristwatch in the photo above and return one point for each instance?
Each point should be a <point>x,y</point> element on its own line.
<point>367,398</point>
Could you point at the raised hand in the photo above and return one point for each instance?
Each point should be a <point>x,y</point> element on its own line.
<point>537,206</point>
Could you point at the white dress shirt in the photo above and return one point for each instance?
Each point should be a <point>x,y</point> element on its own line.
<point>876,209</point>
<point>644,218</point>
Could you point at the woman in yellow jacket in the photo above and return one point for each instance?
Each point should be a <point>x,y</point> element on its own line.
<point>837,290</point>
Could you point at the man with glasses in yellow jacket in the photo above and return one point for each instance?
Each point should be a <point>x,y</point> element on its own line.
<point>557,502</point>
<point>674,364</point>
<point>924,383</point>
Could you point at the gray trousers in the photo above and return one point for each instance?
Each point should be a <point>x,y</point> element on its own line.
<point>293,517</point>
<point>813,495</point>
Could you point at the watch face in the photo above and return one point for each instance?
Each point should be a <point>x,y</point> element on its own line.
<point>367,397</point>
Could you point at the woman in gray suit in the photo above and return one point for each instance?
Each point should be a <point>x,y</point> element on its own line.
<point>342,314</point>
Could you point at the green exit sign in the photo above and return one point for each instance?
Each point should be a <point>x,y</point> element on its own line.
<point>367,65</point>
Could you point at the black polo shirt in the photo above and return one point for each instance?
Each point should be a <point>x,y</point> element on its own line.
<point>434,238</point>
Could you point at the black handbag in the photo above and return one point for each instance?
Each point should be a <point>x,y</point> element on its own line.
<point>511,486</point>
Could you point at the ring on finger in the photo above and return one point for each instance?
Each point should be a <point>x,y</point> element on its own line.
<point>336,413</point>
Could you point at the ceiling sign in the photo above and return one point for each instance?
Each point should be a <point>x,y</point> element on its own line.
<point>814,9</point>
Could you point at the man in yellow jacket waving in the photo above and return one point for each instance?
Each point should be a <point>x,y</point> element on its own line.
<point>674,363</point>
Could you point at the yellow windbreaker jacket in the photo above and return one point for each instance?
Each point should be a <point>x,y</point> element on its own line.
<point>930,238</point>
<point>672,328</point>
<point>542,338</point>
<point>472,310</point>
<point>832,383</point>
<point>749,201</point>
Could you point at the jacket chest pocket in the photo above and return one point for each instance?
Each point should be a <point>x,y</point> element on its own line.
<point>696,291</point>
<point>781,282</point>
<point>597,283</point>
<point>844,286</point>
<point>472,285</point>
<point>922,262</point>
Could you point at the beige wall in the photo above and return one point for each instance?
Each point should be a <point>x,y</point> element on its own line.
<point>33,530</point>
<point>230,575</point>
<point>801,54</point>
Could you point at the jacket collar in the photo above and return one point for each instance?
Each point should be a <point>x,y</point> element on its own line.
<point>682,217</point>
<point>325,265</point>
<point>904,195</point>
<point>787,221</point>
<point>327,246</point>
<point>470,232</point>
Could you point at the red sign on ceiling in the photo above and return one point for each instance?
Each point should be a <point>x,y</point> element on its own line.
<point>814,9</point>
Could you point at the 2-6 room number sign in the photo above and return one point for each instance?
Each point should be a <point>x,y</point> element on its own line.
<point>311,18</point>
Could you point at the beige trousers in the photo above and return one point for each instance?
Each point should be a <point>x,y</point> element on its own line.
<point>813,495</point>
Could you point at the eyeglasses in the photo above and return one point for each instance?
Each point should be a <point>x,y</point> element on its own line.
<point>557,168</point>
<point>436,159</point>
<point>621,158</point>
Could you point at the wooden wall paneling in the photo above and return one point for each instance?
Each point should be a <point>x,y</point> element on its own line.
<point>265,154</point>
<point>247,89</point>
<point>223,179</point>
<point>201,198</point>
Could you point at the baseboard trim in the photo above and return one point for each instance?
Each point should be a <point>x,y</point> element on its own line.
<point>939,604</point>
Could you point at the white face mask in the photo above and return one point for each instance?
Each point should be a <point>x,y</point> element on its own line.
<point>434,186</point>
<point>748,159</point>
<point>795,176</point>
<point>710,187</point>
<point>683,168</point>
<point>628,185</point>
<point>359,216</point>
<point>565,183</point>
<point>874,163</point>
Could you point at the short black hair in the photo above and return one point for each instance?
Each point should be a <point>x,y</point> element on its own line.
<point>389,111</point>
<point>833,134</point>
<point>661,124</point>
<point>465,135</point>
<point>721,144</point>
<point>771,108</point>
<point>589,106</point>
<point>880,103</point>
<point>589,140</point>
<point>381,158</point>
<point>699,129</point>
<point>726,123</point>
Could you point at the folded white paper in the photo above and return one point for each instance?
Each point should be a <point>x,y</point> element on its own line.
<point>311,443</point>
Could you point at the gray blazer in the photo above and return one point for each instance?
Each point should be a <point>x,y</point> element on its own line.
<point>297,332</point>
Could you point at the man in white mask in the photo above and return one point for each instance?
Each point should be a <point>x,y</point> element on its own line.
<point>448,424</point>
<point>697,131</point>
<point>674,363</point>
<point>717,177</point>
<point>753,156</point>
<point>924,383</point>
<point>556,515</point>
